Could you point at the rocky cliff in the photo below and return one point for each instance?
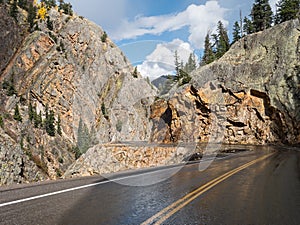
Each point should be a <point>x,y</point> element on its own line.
<point>250,96</point>
<point>69,69</point>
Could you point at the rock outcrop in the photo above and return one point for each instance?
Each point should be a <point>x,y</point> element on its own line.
<point>67,68</point>
<point>250,96</point>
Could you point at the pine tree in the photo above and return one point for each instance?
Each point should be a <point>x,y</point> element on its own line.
<point>32,12</point>
<point>248,26</point>
<point>191,64</point>
<point>262,15</point>
<point>49,122</point>
<point>1,1</point>
<point>23,4</point>
<point>17,115</point>
<point>287,10</point>
<point>66,8</point>
<point>135,73</point>
<point>50,128</point>
<point>14,10</point>
<point>236,32</point>
<point>30,112</point>
<point>59,131</point>
<point>208,55</point>
<point>223,40</point>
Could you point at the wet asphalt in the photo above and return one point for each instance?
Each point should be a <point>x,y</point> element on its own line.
<point>267,192</point>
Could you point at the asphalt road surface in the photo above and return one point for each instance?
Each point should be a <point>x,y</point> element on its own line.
<point>251,187</point>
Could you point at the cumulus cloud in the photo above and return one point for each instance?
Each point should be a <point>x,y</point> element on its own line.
<point>198,18</point>
<point>161,60</point>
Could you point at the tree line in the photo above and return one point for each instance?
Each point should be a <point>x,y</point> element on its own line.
<point>260,18</point>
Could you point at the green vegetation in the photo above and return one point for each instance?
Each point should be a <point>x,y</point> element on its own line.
<point>23,4</point>
<point>58,129</point>
<point>1,122</point>
<point>49,3</point>
<point>77,152</point>
<point>104,111</point>
<point>236,33</point>
<point>135,73</point>
<point>13,11</point>
<point>49,122</point>
<point>262,15</point>
<point>49,23</point>
<point>32,12</point>
<point>65,7</point>
<point>219,46</point>
<point>17,115</point>
<point>287,10</point>
<point>9,87</point>
<point>104,37</point>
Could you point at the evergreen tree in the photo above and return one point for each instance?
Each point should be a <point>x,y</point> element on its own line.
<point>17,115</point>
<point>14,10</point>
<point>30,112</point>
<point>1,1</point>
<point>59,131</point>
<point>248,26</point>
<point>67,8</point>
<point>208,55</point>
<point>176,62</point>
<point>191,64</point>
<point>262,15</point>
<point>104,37</point>
<point>50,128</point>
<point>32,12</point>
<point>236,32</point>
<point>49,3</point>
<point>135,73</point>
<point>223,40</point>
<point>287,10</point>
<point>23,4</point>
<point>49,122</point>
<point>1,119</point>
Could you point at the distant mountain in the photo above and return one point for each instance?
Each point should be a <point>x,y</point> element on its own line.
<point>164,83</point>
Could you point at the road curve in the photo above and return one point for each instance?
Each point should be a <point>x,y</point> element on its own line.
<point>252,187</point>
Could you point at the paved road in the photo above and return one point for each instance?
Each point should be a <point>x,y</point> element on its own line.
<point>253,187</point>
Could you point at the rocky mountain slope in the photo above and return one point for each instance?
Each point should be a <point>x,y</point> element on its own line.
<point>69,69</point>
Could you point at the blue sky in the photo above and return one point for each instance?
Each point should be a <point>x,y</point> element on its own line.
<point>149,31</point>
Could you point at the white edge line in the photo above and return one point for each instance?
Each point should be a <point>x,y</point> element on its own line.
<point>77,188</point>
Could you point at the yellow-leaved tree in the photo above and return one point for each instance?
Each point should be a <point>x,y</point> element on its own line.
<point>42,11</point>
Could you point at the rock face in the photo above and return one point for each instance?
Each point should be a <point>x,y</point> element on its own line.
<point>85,80</point>
<point>250,96</point>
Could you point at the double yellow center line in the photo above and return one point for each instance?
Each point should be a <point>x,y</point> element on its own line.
<point>170,210</point>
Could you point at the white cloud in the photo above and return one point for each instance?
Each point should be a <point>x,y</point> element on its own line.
<point>161,60</point>
<point>273,4</point>
<point>198,18</point>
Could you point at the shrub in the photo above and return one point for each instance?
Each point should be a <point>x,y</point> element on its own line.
<point>1,122</point>
<point>104,37</point>
<point>17,115</point>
